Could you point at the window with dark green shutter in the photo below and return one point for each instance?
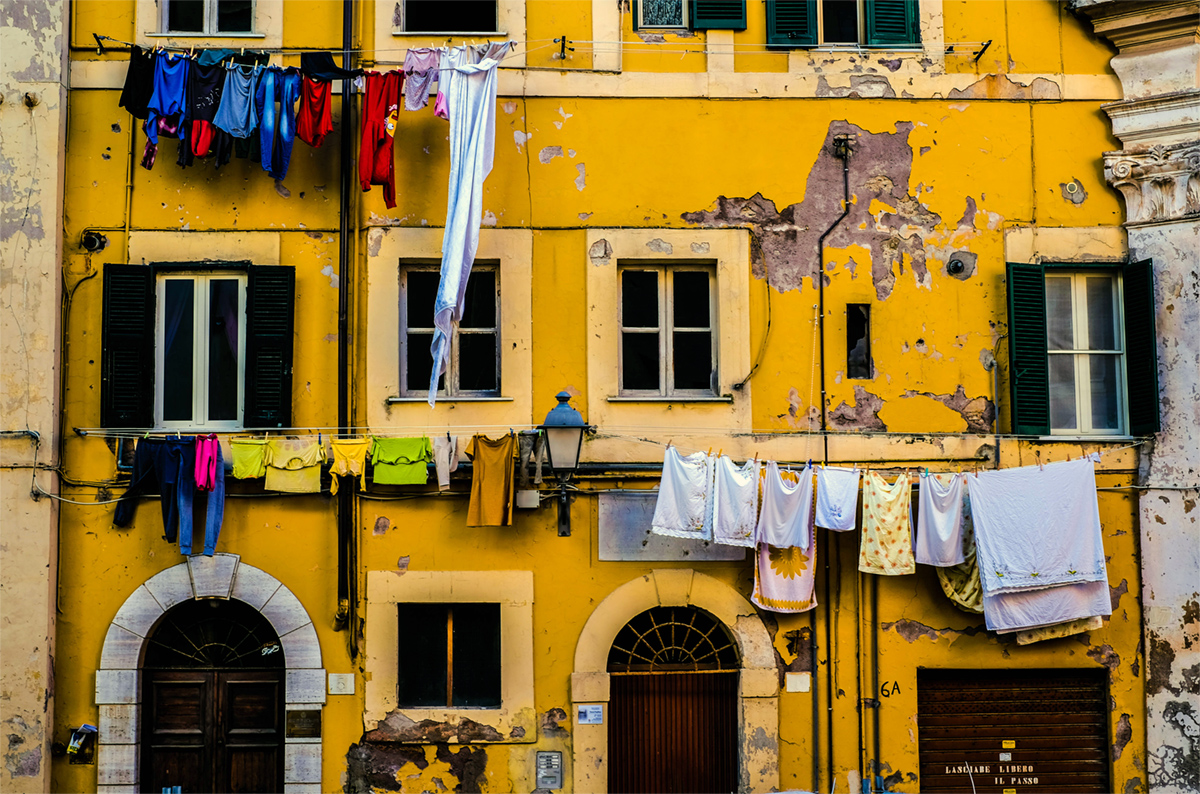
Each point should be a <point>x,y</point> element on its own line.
<point>127,347</point>
<point>836,23</point>
<point>791,23</point>
<point>892,23</point>
<point>1082,350</point>
<point>718,14</point>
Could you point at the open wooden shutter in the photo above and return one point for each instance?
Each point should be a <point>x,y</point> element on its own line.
<point>791,23</point>
<point>1029,371</point>
<point>718,14</point>
<point>127,347</point>
<point>892,22</point>
<point>270,305</point>
<point>1141,348</point>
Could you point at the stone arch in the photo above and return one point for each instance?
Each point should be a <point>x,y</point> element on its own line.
<point>758,687</point>
<point>118,679</point>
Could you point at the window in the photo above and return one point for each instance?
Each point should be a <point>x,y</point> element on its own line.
<point>212,17</point>
<point>1083,351</point>
<point>200,343</point>
<point>439,16</point>
<point>473,366</point>
<point>836,23</point>
<point>201,350</point>
<point>858,341</point>
<point>661,14</point>
<point>689,14</point>
<point>667,341</point>
<point>458,664</point>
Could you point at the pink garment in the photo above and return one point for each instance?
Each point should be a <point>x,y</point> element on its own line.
<point>441,107</point>
<point>207,450</point>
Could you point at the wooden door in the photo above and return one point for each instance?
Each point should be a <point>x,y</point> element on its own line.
<point>673,732</point>
<point>213,730</point>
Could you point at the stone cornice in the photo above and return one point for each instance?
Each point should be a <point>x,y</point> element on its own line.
<point>1135,23</point>
<point>1162,118</point>
<point>1160,183</point>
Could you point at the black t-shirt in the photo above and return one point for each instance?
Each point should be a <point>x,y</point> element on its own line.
<point>139,82</point>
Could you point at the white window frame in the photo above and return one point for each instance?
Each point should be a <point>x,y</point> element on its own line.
<point>451,390</point>
<point>666,327</point>
<point>1081,355</point>
<point>201,296</point>
<point>210,21</point>
<point>643,25</point>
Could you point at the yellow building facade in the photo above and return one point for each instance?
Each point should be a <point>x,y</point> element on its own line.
<point>833,195</point>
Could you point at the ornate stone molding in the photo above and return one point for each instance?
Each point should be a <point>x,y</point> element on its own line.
<point>1160,183</point>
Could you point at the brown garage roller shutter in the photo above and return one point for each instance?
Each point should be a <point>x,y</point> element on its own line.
<point>1019,731</point>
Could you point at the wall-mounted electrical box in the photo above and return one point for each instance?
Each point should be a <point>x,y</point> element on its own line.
<point>549,770</point>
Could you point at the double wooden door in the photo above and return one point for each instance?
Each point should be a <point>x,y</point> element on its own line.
<point>673,732</point>
<point>212,730</point>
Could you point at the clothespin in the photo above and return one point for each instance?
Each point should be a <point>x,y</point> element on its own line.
<point>809,464</point>
<point>710,452</point>
<point>926,471</point>
<point>668,443</point>
<point>719,451</point>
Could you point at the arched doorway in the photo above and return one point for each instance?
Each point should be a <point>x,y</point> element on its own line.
<point>673,708</point>
<point>212,700</point>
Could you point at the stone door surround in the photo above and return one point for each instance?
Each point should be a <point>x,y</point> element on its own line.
<point>118,679</point>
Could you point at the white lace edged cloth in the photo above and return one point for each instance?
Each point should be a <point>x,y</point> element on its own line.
<point>735,502</point>
<point>837,498</point>
<point>786,557</point>
<point>684,507</point>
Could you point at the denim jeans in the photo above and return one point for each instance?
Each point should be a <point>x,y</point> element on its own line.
<point>167,464</point>
<point>214,513</point>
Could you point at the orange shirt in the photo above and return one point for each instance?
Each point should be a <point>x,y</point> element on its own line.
<point>492,481</point>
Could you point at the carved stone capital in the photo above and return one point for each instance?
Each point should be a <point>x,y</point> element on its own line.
<point>1159,183</point>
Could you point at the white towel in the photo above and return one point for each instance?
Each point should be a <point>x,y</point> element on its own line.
<point>837,498</point>
<point>735,502</point>
<point>1030,609</point>
<point>684,507</point>
<point>787,510</point>
<point>445,459</point>
<point>940,520</point>
<point>1037,528</point>
<point>469,83</point>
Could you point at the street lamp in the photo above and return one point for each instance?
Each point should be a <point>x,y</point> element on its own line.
<point>564,428</point>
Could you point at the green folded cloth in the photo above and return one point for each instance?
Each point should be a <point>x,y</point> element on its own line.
<point>401,461</point>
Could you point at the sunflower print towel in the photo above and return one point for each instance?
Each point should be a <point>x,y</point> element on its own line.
<point>785,578</point>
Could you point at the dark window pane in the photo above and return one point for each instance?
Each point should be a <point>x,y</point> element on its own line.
<point>476,655</point>
<point>420,362</point>
<point>1105,407</point>
<point>235,16</point>
<point>477,362</point>
<point>420,294</point>
<point>662,13</point>
<point>224,313</point>
<point>1060,332</point>
<point>1062,392</point>
<point>639,298</point>
<point>858,340</point>
<point>1102,331</point>
<point>440,16</point>
<point>422,655</point>
<point>185,15</point>
<point>693,360</point>
<point>691,299</point>
<point>178,350</point>
<point>479,309</point>
<point>840,24</point>
<point>639,361</point>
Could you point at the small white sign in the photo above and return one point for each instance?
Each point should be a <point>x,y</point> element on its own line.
<point>1005,756</point>
<point>591,715</point>
<point>341,683</point>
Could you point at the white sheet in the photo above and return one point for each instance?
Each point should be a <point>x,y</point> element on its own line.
<point>785,520</point>
<point>837,498</point>
<point>735,502</point>
<point>940,520</point>
<point>1031,609</point>
<point>1037,528</point>
<point>684,506</point>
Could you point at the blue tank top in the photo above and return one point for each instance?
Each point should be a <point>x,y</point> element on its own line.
<point>170,87</point>
<point>237,115</point>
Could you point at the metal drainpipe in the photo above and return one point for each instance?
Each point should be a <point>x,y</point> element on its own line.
<point>841,150</point>
<point>877,768</point>
<point>347,552</point>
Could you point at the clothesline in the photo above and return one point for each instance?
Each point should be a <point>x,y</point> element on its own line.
<point>294,50</point>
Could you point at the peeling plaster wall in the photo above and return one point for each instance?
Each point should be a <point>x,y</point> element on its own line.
<point>32,129</point>
<point>1170,519</point>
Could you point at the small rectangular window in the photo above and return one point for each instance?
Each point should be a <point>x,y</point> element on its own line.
<point>212,17</point>
<point>449,656</point>
<point>473,364</point>
<point>201,343</point>
<point>839,22</point>
<point>858,341</point>
<point>662,14</point>
<point>667,340</point>
<point>439,16</point>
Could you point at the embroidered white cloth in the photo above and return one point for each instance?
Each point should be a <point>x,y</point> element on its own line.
<point>735,502</point>
<point>940,520</point>
<point>1031,609</point>
<point>684,507</point>
<point>787,509</point>
<point>785,577</point>
<point>1037,528</point>
<point>837,498</point>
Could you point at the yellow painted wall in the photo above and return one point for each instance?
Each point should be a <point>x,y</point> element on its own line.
<point>973,163</point>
